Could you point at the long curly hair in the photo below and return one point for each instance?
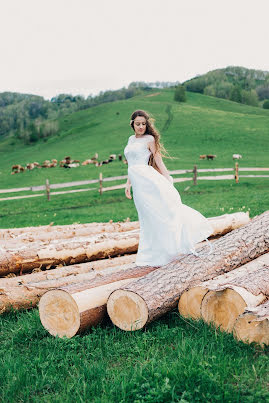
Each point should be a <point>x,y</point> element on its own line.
<point>150,129</point>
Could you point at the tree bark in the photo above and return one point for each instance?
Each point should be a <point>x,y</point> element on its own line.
<point>70,310</point>
<point>253,325</point>
<point>76,250</point>
<point>145,299</point>
<point>18,257</point>
<point>67,271</point>
<point>228,299</point>
<point>26,296</point>
<point>49,232</point>
<point>190,301</point>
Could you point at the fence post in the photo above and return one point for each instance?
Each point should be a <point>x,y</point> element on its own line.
<point>236,173</point>
<point>48,189</point>
<point>101,183</point>
<point>195,175</point>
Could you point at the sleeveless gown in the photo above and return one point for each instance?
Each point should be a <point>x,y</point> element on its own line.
<point>168,228</point>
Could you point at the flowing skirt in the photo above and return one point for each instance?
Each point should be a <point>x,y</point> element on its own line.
<point>168,228</point>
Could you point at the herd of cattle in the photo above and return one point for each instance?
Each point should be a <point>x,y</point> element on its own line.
<point>213,156</point>
<point>67,162</point>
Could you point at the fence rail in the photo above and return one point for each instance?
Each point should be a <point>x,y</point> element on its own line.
<point>195,171</point>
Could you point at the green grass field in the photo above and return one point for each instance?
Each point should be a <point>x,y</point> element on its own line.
<point>173,359</point>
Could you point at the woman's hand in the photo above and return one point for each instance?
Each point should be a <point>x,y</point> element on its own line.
<point>128,191</point>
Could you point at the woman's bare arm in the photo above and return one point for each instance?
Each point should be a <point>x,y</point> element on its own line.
<point>159,161</point>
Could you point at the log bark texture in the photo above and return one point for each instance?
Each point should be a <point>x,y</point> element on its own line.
<point>227,299</point>
<point>18,257</point>
<point>246,277</point>
<point>26,296</point>
<point>21,258</point>
<point>67,271</point>
<point>70,310</point>
<point>146,299</point>
<point>50,232</point>
<point>253,325</point>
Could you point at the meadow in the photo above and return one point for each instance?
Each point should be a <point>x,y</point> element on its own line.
<point>173,359</point>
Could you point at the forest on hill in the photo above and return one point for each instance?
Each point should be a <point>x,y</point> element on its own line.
<point>30,117</point>
<point>239,84</point>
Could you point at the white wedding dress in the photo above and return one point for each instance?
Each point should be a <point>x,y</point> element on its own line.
<point>168,227</point>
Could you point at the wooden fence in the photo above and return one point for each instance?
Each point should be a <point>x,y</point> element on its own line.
<point>101,188</point>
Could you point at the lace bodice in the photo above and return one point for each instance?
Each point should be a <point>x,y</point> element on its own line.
<point>136,151</point>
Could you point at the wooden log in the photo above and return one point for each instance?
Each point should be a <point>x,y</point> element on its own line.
<point>49,232</point>
<point>253,325</point>
<point>26,296</point>
<point>228,298</point>
<point>146,299</point>
<point>221,225</point>
<point>67,271</point>
<point>190,301</point>
<point>19,258</point>
<point>76,250</point>
<point>73,309</point>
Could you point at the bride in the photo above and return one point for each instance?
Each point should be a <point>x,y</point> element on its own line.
<point>168,228</point>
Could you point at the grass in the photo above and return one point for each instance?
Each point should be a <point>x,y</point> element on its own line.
<point>172,359</point>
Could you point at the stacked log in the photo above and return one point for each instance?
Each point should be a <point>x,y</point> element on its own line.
<point>51,248</point>
<point>70,310</point>
<point>144,300</point>
<point>24,292</point>
<point>253,325</point>
<point>225,297</point>
<point>20,258</point>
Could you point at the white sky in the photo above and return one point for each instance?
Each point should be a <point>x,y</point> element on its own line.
<point>49,47</point>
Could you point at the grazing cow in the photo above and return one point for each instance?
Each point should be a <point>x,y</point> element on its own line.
<point>30,166</point>
<point>112,156</point>
<point>87,162</point>
<point>54,161</point>
<point>98,164</point>
<point>202,157</point>
<point>210,156</point>
<point>16,169</point>
<point>73,165</point>
<point>237,156</point>
<point>125,161</point>
<point>105,162</point>
<point>36,164</point>
<point>120,157</point>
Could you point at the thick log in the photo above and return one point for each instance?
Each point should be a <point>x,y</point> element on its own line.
<point>145,299</point>
<point>26,296</point>
<point>67,271</point>
<point>70,251</point>
<point>253,325</point>
<point>228,222</point>
<point>70,310</point>
<point>190,301</point>
<point>229,300</point>
<point>49,232</point>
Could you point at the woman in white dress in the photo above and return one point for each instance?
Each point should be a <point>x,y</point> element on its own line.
<point>168,228</point>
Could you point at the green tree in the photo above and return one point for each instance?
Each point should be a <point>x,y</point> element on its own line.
<point>180,95</point>
<point>266,104</point>
<point>250,98</point>
<point>236,95</point>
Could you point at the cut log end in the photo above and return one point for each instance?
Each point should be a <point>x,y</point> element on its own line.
<point>127,310</point>
<point>248,329</point>
<point>59,313</point>
<point>189,304</point>
<point>222,307</point>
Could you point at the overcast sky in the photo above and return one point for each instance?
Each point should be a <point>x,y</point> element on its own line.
<point>49,47</point>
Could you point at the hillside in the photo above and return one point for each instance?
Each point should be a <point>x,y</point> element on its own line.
<point>201,125</point>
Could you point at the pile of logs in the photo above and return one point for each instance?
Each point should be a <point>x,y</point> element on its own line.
<point>78,273</point>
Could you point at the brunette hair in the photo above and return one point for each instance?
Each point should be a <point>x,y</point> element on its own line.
<point>150,129</point>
